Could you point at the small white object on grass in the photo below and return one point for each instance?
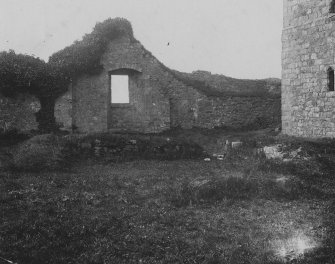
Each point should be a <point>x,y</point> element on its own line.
<point>236,144</point>
<point>8,261</point>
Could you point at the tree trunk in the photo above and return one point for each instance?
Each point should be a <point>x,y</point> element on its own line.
<point>46,115</point>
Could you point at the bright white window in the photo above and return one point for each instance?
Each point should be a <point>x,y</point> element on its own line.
<point>120,89</point>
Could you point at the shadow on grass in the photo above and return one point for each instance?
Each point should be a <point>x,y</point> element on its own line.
<point>240,188</point>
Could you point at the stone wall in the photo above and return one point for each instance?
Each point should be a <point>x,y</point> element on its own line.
<point>148,110</point>
<point>308,50</point>
<point>239,112</point>
<point>18,113</point>
<point>158,101</point>
<point>90,103</point>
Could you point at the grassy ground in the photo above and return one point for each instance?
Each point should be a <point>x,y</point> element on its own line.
<point>244,209</point>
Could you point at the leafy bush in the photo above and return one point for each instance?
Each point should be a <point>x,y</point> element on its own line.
<point>26,74</point>
<point>241,187</point>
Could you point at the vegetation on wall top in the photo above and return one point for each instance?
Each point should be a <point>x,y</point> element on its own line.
<point>219,85</point>
<point>84,56</point>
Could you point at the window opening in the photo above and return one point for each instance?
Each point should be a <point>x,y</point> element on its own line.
<point>119,89</point>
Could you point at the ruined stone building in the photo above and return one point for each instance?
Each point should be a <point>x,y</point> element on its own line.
<point>155,98</point>
<point>308,64</point>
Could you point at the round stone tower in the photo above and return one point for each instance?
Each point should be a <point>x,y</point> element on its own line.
<point>308,97</point>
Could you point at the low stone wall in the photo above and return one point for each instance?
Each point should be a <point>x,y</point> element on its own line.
<point>18,113</point>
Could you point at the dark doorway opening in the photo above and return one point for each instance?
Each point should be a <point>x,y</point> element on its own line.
<point>330,79</point>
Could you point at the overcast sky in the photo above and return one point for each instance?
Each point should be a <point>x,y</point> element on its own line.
<point>239,38</point>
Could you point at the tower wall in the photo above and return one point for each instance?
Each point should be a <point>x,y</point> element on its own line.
<point>308,107</point>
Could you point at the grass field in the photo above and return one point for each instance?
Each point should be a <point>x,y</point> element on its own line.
<point>244,209</point>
